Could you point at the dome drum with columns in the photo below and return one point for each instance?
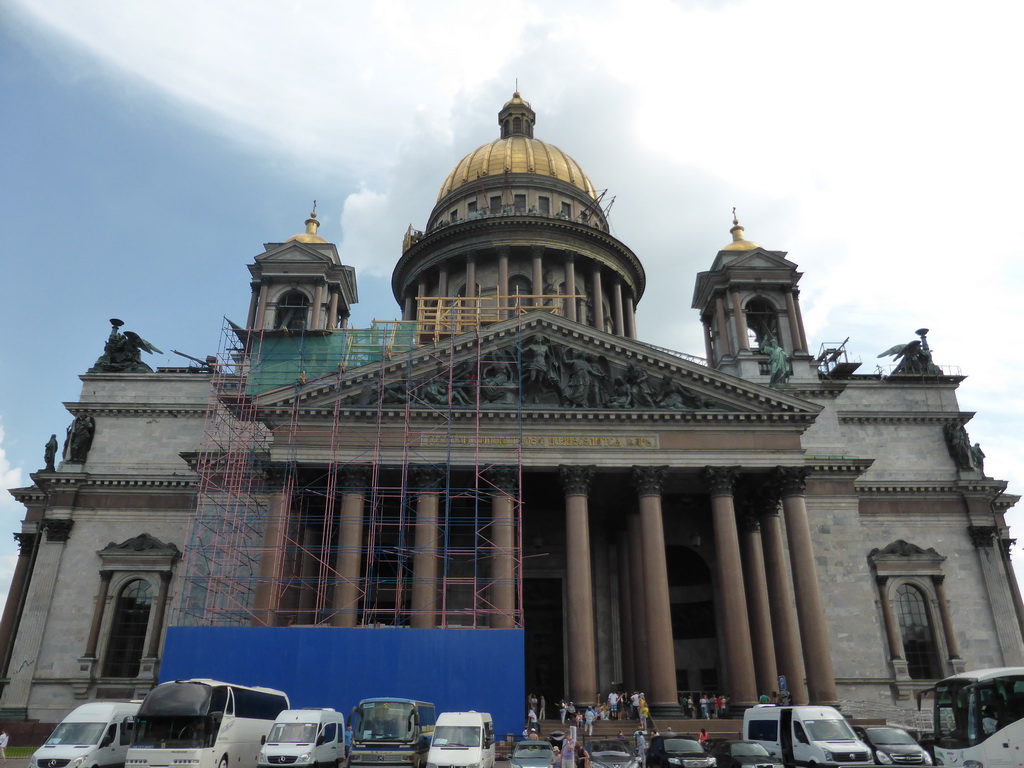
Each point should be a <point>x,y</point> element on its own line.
<point>517,225</point>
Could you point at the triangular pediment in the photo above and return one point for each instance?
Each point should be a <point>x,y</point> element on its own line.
<point>540,364</point>
<point>294,252</point>
<point>757,258</point>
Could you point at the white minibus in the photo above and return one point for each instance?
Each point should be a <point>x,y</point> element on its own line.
<point>805,736</point>
<point>462,739</point>
<point>95,735</point>
<point>305,737</point>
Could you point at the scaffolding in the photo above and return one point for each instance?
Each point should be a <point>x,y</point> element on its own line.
<point>290,466</point>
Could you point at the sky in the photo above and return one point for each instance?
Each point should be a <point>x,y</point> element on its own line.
<point>150,149</point>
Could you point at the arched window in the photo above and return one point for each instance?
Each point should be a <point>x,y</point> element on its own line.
<point>762,321</point>
<point>918,638</point>
<point>128,629</point>
<point>292,311</point>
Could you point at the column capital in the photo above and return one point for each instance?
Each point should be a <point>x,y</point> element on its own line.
<point>881,580</point>
<point>471,257</point>
<point>648,481</point>
<point>537,250</point>
<point>720,481</point>
<point>747,520</point>
<point>790,481</point>
<point>982,536</point>
<point>57,530</point>
<point>576,478</point>
<point>504,478</point>
<point>355,476</point>
<point>1007,544</point>
<point>25,542</point>
<point>503,251</point>
<point>938,579</point>
<point>570,256</point>
<point>427,477</point>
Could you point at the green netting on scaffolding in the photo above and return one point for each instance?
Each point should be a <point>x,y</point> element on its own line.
<point>287,359</point>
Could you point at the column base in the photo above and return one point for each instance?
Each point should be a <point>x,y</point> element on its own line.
<point>671,711</point>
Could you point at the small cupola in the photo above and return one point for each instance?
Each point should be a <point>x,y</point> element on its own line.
<point>517,118</point>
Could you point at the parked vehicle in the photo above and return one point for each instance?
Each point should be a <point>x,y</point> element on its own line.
<point>305,737</point>
<point>203,724</point>
<point>462,739</point>
<point>391,733</point>
<point>735,753</point>
<point>95,735</point>
<point>612,753</point>
<point>670,750</point>
<point>891,745</point>
<point>531,754</point>
<point>979,717</point>
<point>805,735</point>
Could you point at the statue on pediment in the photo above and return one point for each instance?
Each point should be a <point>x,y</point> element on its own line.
<point>79,438</point>
<point>914,357</point>
<point>541,370</point>
<point>50,453</point>
<point>780,363</point>
<point>122,352</point>
<point>584,386</point>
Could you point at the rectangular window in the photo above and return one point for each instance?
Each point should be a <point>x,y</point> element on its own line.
<point>520,203</point>
<point>496,205</point>
<point>471,207</point>
<point>567,210</point>
<point>453,216</point>
<point>544,205</point>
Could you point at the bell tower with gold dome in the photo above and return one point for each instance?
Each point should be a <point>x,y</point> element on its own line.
<point>518,226</point>
<point>301,284</point>
<point>750,309</point>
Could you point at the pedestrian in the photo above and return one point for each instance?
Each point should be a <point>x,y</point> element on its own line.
<point>641,746</point>
<point>634,702</point>
<point>531,720</point>
<point>763,699</point>
<point>590,717</point>
<point>562,709</point>
<point>704,706</point>
<point>348,741</point>
<point>645,712</point>
<point>4,740</point>
<point>543,714</point>
<point>613,704</point>
<point>556,758</point>
<point>569,749</point>
<point>702,737</point>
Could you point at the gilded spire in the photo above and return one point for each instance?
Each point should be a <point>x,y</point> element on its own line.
<point>738,242</point>
<point>310,235</point>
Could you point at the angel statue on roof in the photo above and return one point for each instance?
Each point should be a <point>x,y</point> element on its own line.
<point>123,352</point>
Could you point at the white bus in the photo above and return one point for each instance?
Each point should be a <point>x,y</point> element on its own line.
<point>979,718</point>
<point>203,724</point>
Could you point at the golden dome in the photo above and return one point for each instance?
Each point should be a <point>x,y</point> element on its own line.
<point>738,243</point>
<point>517,152</point>
<point>310,235</point>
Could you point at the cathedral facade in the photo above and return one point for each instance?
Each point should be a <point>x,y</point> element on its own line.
<point>510,455</point>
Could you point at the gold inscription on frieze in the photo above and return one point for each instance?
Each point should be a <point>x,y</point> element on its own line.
<point>547,441</point>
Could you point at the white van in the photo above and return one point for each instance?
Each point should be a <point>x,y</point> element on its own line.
<point>805,736</point>
<point>462,739</point>
<point>96,735</point>
<point>301,737</point>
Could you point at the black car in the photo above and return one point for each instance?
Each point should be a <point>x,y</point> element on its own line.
<point>671,750</point>
<point>892,746</point>
<point>734,753</point>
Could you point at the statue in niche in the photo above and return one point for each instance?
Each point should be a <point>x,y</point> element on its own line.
<point>914,357</point>
<point>50,454</point>
<point>79,439</point>
<point>122,352</point>
<point>780,363</point>
<point>960,449</point>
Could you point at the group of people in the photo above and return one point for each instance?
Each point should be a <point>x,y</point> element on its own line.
<point>706,707</point>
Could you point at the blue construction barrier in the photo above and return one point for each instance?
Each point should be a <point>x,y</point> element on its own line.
<point>456,669</point>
